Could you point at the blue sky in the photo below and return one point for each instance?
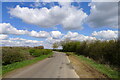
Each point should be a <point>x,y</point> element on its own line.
<point>9,16</point>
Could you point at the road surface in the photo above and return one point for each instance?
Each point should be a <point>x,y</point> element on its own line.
<point>57,66</point>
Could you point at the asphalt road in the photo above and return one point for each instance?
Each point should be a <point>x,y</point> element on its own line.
<point>57,66</point>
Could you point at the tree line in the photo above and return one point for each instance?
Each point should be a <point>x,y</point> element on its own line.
<point>104,52</point>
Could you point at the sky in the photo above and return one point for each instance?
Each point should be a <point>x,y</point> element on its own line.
<point>44,23</point>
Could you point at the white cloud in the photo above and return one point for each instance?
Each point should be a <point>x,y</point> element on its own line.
<point>51,40</point>
<point>71,35</point>
<point>40,34</point>
<point>105,0</point>
<point>106,34</point>
<point>20,42</point>
<point>83,38</point>
<point>2,36</point>
<point>76,36</point>
<point>56,34</point>
<point>47,43</point>
<point>79,0</point>
<point>103,14</point>
<point>7,28</point>
<point>24,42</point>
<point>68,16</point>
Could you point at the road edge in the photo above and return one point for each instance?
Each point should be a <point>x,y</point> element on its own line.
<point>73,68</point>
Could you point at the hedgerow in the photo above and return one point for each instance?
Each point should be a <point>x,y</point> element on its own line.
<point>104,52</point>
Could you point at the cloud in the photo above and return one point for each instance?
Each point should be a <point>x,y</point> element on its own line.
<point>40,34</point>
<point>20,42</point>
<point>68,16</point>
<point>2,36</point>
<point>7,28</point>
<point>106,34</point>
<point>56,34</point>
<point>24,42</point>
<point>84,38</point>
<point>103,14</point>
<point>105,0</point>
<point>71,35</point>
<point>51,40</point>
<point>47,43</point>
<point>100,35</point>
<point>78,37</point>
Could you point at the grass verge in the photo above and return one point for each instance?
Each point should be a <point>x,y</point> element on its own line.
<point>100,67</point>
<point>10,67</point>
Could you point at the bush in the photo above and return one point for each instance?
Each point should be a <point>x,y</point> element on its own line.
<point>70,46</point>
<point>105,52</point>
<point>39,52</point>
<point>17,54</point>
<point>32,51</point>
<point>11,56</point>
<point>81,48</point>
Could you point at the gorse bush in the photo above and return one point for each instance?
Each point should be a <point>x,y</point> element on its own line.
<point>105,52</point>
<point>17,54</point>
<point>39,52</point>
<point>10,56</point>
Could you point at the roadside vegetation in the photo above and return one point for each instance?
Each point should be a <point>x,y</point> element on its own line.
<point>105,69</point>
<point>102,52</point>
<point>111,73</point>
<point>17,57</point>
<point>39,52</point>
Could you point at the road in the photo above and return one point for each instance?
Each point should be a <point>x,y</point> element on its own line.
<point>57,66</point>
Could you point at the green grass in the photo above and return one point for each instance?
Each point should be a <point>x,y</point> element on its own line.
<point>100,67</point>
<point>10,67</point>
<point>0,72</point>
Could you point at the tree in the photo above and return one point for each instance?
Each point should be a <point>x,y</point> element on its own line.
<point>55,45</point>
